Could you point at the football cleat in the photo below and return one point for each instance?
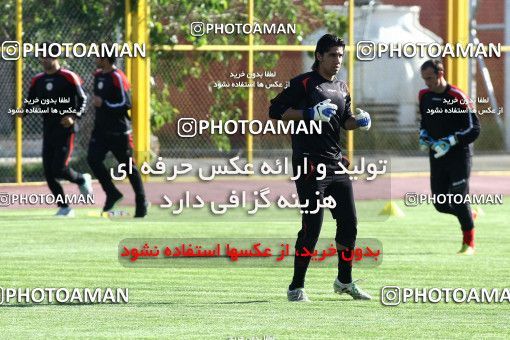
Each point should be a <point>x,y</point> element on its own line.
<point>466,250</point>
<point>141,208</point>
<point>65,212</point>
<point>112,201</point>
<point>297,295</point>
<point>86,187</point>
<point>351,289</point>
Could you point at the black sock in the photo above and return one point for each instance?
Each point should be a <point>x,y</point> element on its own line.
<point>300,267</point>
<point>345,267</point>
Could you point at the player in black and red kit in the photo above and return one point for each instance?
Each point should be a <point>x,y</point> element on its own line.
<point>318,95</point>
<point>112,132</point>
<point>59,91</point>
<point>448,128</point>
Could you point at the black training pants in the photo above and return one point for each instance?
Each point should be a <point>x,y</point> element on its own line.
<point>57,150</point>
<point>121,145</point>
<point>450,175</point>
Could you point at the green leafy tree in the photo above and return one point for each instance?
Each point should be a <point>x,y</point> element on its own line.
<point>171,25</point>
<point>103,20</point>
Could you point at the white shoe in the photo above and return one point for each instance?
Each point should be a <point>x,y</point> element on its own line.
<point>466,250</point>
<point>86,187</point>
<point>352,289</point>
<point>297,295</point>
<point>65,212</point>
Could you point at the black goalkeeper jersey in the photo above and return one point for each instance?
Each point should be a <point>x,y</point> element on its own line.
<point>449,113</point>
<point>307,90</point>
<point>59,94</point>
<point>112,116</point>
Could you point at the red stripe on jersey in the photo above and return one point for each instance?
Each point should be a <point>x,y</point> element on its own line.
<point>132,146</point>
<point>459,95</point>
<point>125,81</point>
<point>35,78</point>
<point>422,92</point>
<point>71,77</point>
<point>130,141</point>
<point>305,82</point>
<point>71,147</point>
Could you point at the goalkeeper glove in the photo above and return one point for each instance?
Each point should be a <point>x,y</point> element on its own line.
<point>425,140</point>
<point>363,119</point>
<point>322,111</point>
<point>442,146</point>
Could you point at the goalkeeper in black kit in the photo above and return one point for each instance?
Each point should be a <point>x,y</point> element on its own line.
<point>449,125</point>
<point>320,96</point>
<point>58,93</point>
<point>112,132</point>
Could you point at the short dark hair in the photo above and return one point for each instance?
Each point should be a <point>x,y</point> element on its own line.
<point>435,64</point>
<point>51,49</point>
<point>324,44</point>
<point>111,59</point>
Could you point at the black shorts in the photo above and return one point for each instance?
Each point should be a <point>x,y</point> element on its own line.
<point>450,174</point>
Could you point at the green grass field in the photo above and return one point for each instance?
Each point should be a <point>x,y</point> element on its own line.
<point>38,250</point>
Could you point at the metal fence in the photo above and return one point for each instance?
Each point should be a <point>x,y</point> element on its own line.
<point>185,74</point>
<point>199,98</point>
<point>59,21</point>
